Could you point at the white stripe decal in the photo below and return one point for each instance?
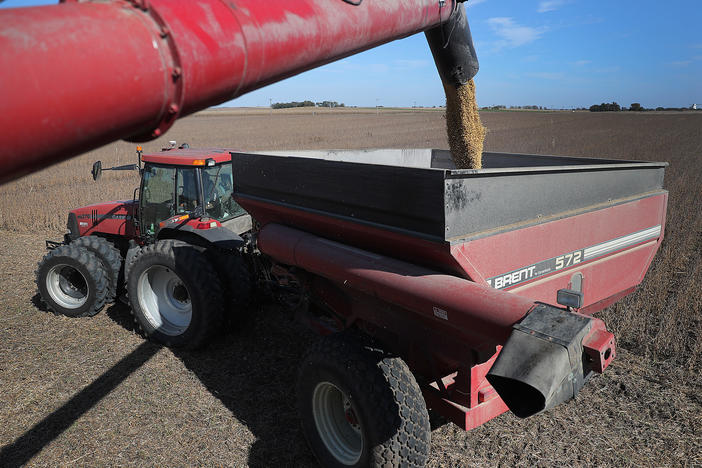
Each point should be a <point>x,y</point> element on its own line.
<point>570,259</point>
<point>622,242</point>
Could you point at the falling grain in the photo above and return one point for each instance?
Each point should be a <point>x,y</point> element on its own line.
<point>465,130</point>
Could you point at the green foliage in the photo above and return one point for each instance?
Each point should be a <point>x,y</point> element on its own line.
<point>605,107</point>
<point>287,105</point>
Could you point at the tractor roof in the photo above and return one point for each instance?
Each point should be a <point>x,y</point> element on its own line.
<point>187,156</point>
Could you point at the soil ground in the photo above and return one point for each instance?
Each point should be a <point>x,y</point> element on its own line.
<point>90,392</point>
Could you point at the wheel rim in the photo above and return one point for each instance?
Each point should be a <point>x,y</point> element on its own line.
<point>337,423</point>
<point>165,300</point>
<point>67,286</point>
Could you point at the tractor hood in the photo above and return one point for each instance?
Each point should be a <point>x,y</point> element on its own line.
<point>110,218</point>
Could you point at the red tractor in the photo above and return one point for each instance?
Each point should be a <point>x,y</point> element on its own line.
<point>185,205</point>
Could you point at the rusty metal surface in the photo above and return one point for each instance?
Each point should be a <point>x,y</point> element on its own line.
<point>78,75</point>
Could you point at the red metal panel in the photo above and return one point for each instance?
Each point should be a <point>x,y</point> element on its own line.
<point>186,157</point>
<point>81,74</point>
<point>602,277</point>
<point>463,417</point>
<point>599,346</point>
<point>116,218</point>
<point>484,402</point>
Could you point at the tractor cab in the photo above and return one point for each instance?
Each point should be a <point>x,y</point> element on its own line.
<point>181,189</point>
<point>183,183</point>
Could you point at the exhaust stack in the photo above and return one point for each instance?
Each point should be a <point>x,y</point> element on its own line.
<point>548,358</point>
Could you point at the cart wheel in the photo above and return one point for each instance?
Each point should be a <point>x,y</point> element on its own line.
<point>361,407</point>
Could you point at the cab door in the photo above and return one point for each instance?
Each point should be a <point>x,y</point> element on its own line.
<point>157,200</point>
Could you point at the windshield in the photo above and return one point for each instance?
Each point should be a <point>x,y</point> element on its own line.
<point>218,184</point>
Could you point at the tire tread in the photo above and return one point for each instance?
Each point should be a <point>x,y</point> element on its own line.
<point>110,257</point>
<point>94,268</point>
<point>405,411</point>
<point>201,269</point>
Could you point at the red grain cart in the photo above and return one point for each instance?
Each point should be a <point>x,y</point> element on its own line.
<point>481,281</point>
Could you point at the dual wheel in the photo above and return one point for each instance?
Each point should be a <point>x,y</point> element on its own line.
<point>78,279</point>
<point>178,293</point>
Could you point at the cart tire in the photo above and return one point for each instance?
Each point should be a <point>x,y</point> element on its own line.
<point>110,257</point>
<point>175,294</point>
<point>72,281</point>
<point>361,407</point>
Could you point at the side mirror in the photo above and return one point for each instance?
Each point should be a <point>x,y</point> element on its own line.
<point>97,170</point>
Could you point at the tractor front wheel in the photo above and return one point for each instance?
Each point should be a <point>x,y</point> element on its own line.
<point>361,407</point>
<point>175,294</point>
<point>72,281</point>
<point>110,258</point>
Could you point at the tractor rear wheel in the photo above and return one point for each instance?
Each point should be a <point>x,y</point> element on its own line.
<point>72,281</point>
<point>109,256</point>
<point>238,285</point>
<point>361,407</point>
<point>175,294</point>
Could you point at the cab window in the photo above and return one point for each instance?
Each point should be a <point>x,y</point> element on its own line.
<point>157,196</point>
<point>186,190</point>
<point>218,186</point>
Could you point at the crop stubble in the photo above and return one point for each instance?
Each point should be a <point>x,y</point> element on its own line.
<point>89,392</point>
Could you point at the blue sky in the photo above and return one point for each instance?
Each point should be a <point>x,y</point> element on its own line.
<point>554,53</point>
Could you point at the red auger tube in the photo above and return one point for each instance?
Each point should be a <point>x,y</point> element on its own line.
<point>78,75</point>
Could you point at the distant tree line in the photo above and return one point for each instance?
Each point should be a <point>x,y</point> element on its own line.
<point>286,105</point>
<point>635,107</point>
<point>605,107</point>
<point>674,108</point>
<point>527,107</point>
<point>503,107</point>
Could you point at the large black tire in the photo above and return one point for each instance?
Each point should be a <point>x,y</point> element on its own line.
<point>175,294</point>
<point>110,257</point>
<point>72,281</point>
<point>361,407</point>
<point>238,285</point>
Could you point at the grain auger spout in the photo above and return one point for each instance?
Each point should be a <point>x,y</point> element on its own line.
<point>81,74</point>
<point>451,45</point>
<point>548,358</point>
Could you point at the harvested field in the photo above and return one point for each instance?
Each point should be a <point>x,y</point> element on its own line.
<point>90,392</point>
